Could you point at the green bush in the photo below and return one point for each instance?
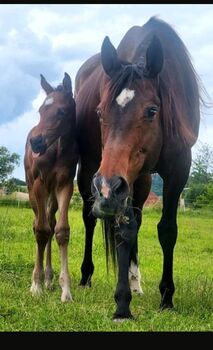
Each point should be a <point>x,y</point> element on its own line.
<point>193,193</point>
<point>206,199</point>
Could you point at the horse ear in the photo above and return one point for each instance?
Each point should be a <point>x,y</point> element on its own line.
<point>109,58</point>
<point>45,85</point>
<point>67,84</point>
<point>154,58</point>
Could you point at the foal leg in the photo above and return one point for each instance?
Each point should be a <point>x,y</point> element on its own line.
<point>140,193</point>
<point>62,233</point>
<point>42,233</point>
<point>52,208</point>
<point>174,183</point>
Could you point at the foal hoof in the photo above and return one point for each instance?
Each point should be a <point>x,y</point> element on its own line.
<point>36,289</point>
<point>49,285</point>
<point>66,296</point>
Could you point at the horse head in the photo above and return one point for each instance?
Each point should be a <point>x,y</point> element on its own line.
<point>129,114</point>
<point>56,115</point>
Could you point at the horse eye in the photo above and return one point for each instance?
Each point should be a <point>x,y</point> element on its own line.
<point>150,113</point>
<point>61,113</point>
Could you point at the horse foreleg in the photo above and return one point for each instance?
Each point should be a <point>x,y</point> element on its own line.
<point>48,270</point>
<point>141,191</point>
<point>42,233</point>
<point>62,233</point>
<point>174,183</point>
<point>84,184</point>
<point>87,267</point>
<point>52,208</point>
<point>125,236</point>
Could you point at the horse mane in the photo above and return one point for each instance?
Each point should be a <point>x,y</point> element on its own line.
<point>179,85</point>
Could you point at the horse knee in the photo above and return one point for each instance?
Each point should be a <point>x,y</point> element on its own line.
<point>42,234</point>
<point>62,235</point>
<point>167,233</point>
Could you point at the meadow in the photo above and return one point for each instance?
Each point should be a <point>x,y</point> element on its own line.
<point>92,308</point>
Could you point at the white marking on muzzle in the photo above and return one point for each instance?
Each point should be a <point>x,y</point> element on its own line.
<point>105,189</point>
<point>49,101</point>
<point>125,97</point>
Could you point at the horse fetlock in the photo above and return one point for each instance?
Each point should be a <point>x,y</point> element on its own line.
<point>134,279</point>
<point>166,296</point>
<point>64,281</point>
<point>48,278</point>
<point>135,286</point>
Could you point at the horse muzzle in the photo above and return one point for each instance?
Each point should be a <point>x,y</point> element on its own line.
<point>38,144</point>
<point>110,196</point>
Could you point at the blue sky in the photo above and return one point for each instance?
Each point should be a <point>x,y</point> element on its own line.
<point>53,39</point>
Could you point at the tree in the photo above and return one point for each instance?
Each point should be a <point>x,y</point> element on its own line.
<point>202,166</point>
<point>200,180</point>
<point>8,161</point>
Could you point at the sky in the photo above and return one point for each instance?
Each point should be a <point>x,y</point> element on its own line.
<point>55,38</point>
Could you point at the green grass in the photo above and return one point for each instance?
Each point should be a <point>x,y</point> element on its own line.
<point>92,308</point>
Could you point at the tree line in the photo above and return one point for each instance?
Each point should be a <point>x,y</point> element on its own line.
<point>197,193</point>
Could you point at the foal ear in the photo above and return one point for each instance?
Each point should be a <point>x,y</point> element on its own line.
<point>67,84</point>
<point>154,58</point>
<point>45,85</point>
<point>109,58</point>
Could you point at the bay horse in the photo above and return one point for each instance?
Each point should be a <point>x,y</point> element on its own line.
<point>138,113</point>
<point>50,165</point>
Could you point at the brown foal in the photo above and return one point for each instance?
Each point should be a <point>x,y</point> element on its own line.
<point>50,164</point>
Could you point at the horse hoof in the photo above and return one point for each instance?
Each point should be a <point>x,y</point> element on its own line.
<point>87,284</point>
<point>65,297</point>
<point>122,318</point>
<point>137,291</point>
<point>167,306</point>
<point>35,289</point>
<point>49,285</point>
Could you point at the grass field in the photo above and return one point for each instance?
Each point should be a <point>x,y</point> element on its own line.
<point>93,307</point>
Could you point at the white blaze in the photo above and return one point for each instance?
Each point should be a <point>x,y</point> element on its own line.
<point>125,97</point>
<point>105,189</point>
<point>48,101</point>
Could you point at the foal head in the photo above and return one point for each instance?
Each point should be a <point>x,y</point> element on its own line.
<point>57,115</point>
<point>129,113</point>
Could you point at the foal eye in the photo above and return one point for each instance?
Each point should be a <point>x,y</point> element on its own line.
<point>150,113</point>
<point>61,113</point>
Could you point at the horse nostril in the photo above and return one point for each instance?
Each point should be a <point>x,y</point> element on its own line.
<point>35,141</point>
<point>120,187</point>
<point>95,186</point>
